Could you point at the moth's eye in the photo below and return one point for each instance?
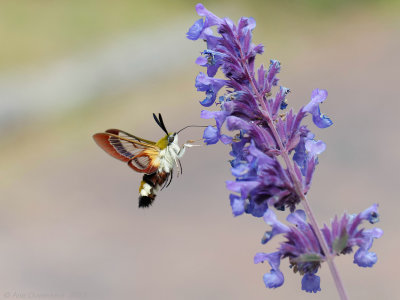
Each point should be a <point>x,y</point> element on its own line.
<point>171,139</point>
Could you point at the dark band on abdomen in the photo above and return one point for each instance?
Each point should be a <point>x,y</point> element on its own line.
<point>150,184</point>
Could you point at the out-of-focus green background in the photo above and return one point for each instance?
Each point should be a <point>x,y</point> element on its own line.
<point>69,221</point>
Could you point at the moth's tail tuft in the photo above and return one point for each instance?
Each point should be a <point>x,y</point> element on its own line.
<point>146,201</point>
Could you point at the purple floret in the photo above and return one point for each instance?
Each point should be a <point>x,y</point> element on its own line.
<point>303,250</point>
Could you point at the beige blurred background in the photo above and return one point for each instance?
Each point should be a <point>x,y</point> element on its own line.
<point>69,222</point>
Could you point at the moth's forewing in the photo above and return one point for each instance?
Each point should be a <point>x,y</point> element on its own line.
<point>124,134</point>
<point>103,141</point>
<point>141,154</point>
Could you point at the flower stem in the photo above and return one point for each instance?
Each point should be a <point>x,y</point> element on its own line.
<point>298,186</point>
<point>299,190</point>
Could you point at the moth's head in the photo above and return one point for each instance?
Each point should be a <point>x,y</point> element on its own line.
<point>167,140</point>
<point>172,138</point>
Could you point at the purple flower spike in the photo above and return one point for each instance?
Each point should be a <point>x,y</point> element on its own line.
<point>243,112</point>
<point>274,155</point>
<point>317,97</point>
<point>310,283</point>
<point>249,108</point>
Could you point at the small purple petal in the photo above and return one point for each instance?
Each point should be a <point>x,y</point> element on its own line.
<point>209,100</point>
<point>271,219</point>
<point>274,279</point>
<point>211,19</point>
<point>297,218</point>
<point>277,227</point>
<point>251,23</point>
<point>260,257</point>
<point>235,123</point>
<point>225,139</point>
<point>315,147</point>
<point>212,60</point>
<point>210,135</point>
<point>300,155</point>
<point>209,85</point>
<point>242,187</point>
<point>200,29</point>
<point>202,82</point>
<point>365,259</point>
<point>317,97</point>
<point>274,259</point>
<point>237,204</point>
<point>212,40</point>
<point>195,30</point>
<point>280,97</point>
<point>259,49</point>
<point>310,283</point>
<point>373,233</point>
<point>201,61</point>
<point>263,159</point>
<point>371,214</point>
<point>219,116</point>
<point>274,69</point>
<point>241,170</point>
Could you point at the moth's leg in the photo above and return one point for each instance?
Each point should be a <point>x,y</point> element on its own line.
<point>188,144</point>
<point>181,151</point>
<point>180,166</point>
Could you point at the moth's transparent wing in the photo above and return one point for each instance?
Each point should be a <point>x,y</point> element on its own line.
<point>140,154</point>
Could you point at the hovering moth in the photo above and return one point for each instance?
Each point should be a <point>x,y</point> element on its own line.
<point>155,159</point>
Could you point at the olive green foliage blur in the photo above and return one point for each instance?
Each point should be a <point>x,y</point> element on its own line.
<point>39,30</point>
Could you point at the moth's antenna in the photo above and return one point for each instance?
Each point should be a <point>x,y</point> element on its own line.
<point>190,126</point>
<point>160,123</point>
<point>155,118</point>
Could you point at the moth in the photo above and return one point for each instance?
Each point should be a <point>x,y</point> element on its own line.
<point>155,159</point>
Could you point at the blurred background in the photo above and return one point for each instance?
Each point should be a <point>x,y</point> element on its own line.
<point>69,222</point>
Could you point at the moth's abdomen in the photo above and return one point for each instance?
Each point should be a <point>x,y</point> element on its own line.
<point>149,186</point>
